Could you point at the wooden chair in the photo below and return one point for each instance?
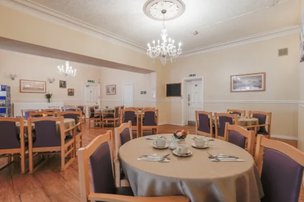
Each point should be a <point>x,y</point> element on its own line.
<point>98,154</point>
<point>264,126</point>
<point>220,120</point>
<point>281,169</point>
<point>239,112</point>
<point>12,141</point>
<point>111,118</point>
<point>78,127</point>
<point>123,134</point>
<point>26,112</point>
<point>50,136</point>
<point>41,113</point>
<point>149,120</point>
<point>203,123</point>
<point>241,137</point>
<point>131,114</point>
<point>95,116</point>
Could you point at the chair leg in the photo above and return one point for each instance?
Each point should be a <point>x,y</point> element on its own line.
<point>22,162</point>
<point>30,161</point>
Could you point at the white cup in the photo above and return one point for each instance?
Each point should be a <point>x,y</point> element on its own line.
<point>160,142</point>
<point>200,142</point>
<point>182,149</point>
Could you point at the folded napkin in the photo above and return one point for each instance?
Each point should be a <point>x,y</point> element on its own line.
<point>154,157</point>
<point>226,159</point>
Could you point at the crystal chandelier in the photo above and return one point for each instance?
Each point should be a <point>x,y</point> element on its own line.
<point>165,48</point>
<point>67,70</point>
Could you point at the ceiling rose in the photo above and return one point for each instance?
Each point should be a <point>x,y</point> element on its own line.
<point>155,9</point>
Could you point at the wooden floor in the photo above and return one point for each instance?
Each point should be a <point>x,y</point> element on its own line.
<point>48,183</point>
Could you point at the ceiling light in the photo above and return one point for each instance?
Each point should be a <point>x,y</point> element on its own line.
<point>165,48</point>
<point>67,70</point>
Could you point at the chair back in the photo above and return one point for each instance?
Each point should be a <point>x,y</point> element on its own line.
<point>150,117</point>
<point>98,154</point>
<point>76,115</point>
<point>47,134</point>
<point>264,119</point>
<point>11,135</point>
<point>240,136</point>
<point>220,123</point>
<point>203,123</point>
<point>281,169</point>
<point>129,114</point>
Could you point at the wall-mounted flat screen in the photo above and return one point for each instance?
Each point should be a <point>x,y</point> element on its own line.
<point>173,90</point>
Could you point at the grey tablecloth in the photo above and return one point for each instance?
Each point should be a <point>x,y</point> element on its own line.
<point>196,176</point>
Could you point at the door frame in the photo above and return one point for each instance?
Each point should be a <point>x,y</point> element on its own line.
<point>184,97</point>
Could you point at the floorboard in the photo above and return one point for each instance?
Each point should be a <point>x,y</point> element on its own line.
<point>48,183</point>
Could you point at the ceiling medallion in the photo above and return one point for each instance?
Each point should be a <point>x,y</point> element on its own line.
<point>174,8</point>
<point>164,48</point>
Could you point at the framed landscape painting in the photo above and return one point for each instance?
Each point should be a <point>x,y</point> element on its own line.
<point>248,82</point>
<point>31,86</point>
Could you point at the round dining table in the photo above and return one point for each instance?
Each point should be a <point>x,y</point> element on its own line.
<point>195,176</point>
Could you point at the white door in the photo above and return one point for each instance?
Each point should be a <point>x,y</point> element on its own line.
<point>127,95</point>
<point>92,94</point>
<point>194,99</point>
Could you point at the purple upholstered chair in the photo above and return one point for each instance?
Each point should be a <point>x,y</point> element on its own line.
<point>50,136</point>
<point>123,134</point>
<point>98,153</point>
<point>264,119</point>
<point>12,138</point>
<point>203,123</point>
<point>220,122</point>
<point>130,114</point>
<point>241,137</point>
<point>149,120</point>
<point>281,169</point>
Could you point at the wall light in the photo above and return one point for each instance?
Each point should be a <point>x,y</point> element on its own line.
<point>13,76</point>
<point>51,80</point>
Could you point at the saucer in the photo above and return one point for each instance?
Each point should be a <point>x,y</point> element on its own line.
<point>197,147</point>
<point>156,147</point>
<point>189,153</point>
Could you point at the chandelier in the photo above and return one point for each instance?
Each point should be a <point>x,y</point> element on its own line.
<point>67,70</point>
<point>165,48</point>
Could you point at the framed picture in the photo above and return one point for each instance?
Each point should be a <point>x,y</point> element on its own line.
<point>111,89</point>
<point>248,82</point>
<point>32,86</point>
<point>62,84</point>
<point>70,91</point>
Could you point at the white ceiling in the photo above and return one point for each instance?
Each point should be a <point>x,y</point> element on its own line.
<point>217,21</point>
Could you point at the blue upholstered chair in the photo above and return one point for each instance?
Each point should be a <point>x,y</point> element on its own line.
<point>149,120</point>
<point>281,169</point>
<point>241,137</point>
<point>203,123</point>
<point>51,136</point>
<point>123,134</point>
<point>98,154</point>
<point>220,120</point>
<point>12,139</point>
<point>264,119</point>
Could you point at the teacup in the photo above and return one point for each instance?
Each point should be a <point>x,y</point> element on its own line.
<point>200,142</point>
<point>160,142</point>
<point>182,149</point>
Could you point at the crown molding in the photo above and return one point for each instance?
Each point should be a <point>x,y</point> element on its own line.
<point>51,15</point>
<point>246,40</point>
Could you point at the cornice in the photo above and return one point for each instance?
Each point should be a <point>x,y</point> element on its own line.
<point>246,40</point>
<point>59,18</point>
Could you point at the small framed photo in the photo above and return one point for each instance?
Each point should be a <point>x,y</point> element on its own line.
<point>62,84</point>
<point>32,86</point>
<point>248,82</point>
<point>70,91</point>
<point>111,89</point>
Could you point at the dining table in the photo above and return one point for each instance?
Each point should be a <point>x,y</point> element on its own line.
<point>196,176</point>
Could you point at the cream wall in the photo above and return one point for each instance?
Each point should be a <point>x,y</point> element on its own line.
<point>281,95</point>
<point>140,82</point>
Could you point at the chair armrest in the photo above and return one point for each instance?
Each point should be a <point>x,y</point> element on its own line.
<point>72,127</point>
<point>123,198</point>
